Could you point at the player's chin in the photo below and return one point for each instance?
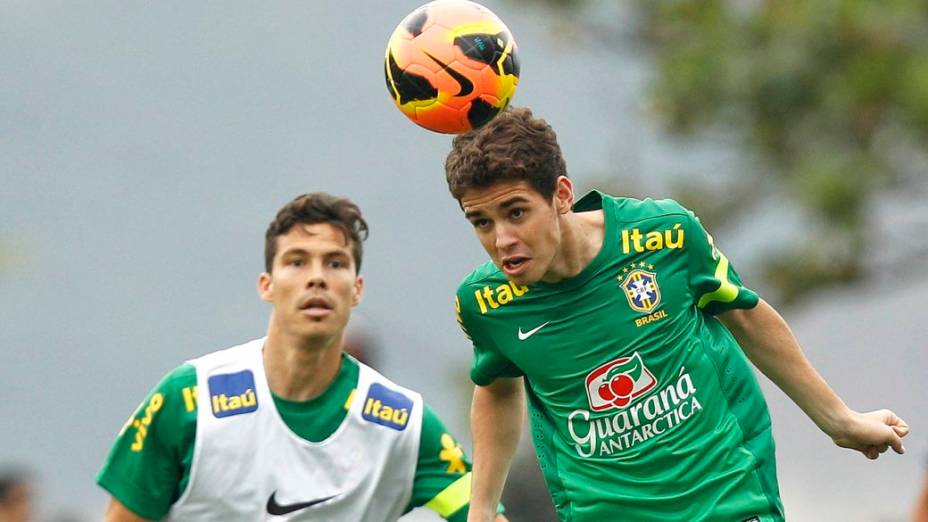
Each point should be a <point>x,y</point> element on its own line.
<point>318,326</point>
<point>319,336</point>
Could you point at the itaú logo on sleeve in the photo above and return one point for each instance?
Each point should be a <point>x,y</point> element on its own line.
<point>617,383</point>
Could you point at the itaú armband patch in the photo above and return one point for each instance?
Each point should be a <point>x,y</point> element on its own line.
<point>232,394</point>
<point>387,407</point>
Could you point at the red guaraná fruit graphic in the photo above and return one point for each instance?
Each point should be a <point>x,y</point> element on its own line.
<point>618,391</point>
<point>620,384</point>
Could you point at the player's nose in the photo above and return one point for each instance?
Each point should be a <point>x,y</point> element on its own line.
<point>505,238</point>
<point>316,282</point>
<point>315,277</point>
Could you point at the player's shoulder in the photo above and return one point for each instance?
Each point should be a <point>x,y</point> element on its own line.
<point>484,289</point>
<point>487,274</point>
<point>631,210</point>
<point>176,392</point>
<point>387,403</point>
<point>182,376</point>
<point>164,413</point>
<point>225,356</point>
<point>482,275</point>
<point>373,376</point>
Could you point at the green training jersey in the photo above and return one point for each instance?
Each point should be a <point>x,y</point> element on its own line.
<point>149,465</point>
<point>642,404</point>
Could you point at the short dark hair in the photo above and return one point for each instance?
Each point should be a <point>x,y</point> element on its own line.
<point>513,146</point>
<point>317,207</point>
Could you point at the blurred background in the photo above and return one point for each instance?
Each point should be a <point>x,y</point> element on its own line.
<point>144,147</point>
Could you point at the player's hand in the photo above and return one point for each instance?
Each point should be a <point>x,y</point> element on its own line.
<point>873,433</point>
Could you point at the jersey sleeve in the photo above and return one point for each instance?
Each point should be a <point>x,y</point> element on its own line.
<point>715,284</point>
<point>488,363</point>
<point>147,466</point>
<point>442,481</point>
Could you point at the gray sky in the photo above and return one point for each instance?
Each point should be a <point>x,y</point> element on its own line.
<point>144,147</point>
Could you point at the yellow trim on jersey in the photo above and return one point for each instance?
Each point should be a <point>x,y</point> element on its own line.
<point>452,454</point>
<point>727,292</point>
<point>190,398</point>
<point>350,399</point>
<point>452,498</point>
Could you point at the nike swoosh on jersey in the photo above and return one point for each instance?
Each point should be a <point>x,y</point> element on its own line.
<point>467,86</point>
<point>525,335</point>
<point>273,508</point>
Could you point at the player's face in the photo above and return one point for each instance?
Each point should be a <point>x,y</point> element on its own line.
<point>18,504</point>
<point>519,229</point>
<point>314,283</point>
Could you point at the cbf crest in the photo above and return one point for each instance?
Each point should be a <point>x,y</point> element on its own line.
<point>641,288</point>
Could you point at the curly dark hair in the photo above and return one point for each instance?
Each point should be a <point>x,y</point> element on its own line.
<point>513,146</point>
<point>317,207</point>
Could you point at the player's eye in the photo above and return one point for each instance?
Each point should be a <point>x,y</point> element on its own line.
<point>516,213</point>
<point>481,223</point>
<point>296,261</point>
<point>337,263</point>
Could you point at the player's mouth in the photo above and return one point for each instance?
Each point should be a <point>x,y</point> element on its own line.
<point>316,307</point>
<point>515,265</point>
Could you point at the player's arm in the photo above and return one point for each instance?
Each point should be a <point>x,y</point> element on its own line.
<point>770,345</point>
<point>921,504</point>
<point>497,412</point>
<point>149,462</point>
<point>443,472</point>
<point>116,512</point>
<point>496,425</point>
<point>768,342</point>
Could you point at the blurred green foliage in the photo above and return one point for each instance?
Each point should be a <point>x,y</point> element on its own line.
<point>829,97</point>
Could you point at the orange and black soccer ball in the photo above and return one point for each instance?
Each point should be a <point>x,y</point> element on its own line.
<point>451,66</point>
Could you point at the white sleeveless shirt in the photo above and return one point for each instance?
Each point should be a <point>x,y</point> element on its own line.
<point>248,465</point>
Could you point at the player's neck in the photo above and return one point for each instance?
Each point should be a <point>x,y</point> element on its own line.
<point>581,240</point>
<point>298,370</point>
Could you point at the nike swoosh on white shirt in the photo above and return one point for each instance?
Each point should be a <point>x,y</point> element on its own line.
<point>525,335</point>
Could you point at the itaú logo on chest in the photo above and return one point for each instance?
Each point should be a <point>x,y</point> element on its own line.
<point>617,383</point>
<point>387,407</point>
<point>232,393</point>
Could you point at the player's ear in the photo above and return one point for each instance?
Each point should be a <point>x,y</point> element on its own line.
<point>358,290</point>
<point>265,286</point>
<point>563,195</point>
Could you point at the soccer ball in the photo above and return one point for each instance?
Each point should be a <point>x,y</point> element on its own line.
<point>451,66</point>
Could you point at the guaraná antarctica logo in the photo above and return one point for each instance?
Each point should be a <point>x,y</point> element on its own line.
<point>627,408</point>
<point>616,383</point>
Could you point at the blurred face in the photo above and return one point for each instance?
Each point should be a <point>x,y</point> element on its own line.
<point>17,506</point>
<point>314,283</point>
<point>519,228</point>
